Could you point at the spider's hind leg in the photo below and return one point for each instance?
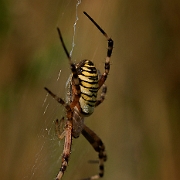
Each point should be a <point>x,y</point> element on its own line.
<point>99,147</point>
<point>103,91</point>
<point>103,94</point>
<point>109,51</point>
<point>73,70</point>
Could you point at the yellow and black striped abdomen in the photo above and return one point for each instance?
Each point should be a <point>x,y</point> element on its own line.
<point>88,77</point>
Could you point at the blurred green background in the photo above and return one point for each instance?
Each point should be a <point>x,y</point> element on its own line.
<point>140,118</point>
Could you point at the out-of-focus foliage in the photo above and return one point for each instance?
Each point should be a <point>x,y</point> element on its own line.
<point>139,120</point>
<point>4,18</point>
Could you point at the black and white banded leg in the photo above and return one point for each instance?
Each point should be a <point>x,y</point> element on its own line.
<point>99,147</point>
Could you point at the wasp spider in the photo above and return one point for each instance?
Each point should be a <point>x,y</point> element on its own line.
<point>83,86</point>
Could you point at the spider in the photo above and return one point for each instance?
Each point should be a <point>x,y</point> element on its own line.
<point>83,86</point>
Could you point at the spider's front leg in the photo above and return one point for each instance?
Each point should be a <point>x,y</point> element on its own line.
<point>67,149</point>
<point>99,147</point>
<point>67,133</point>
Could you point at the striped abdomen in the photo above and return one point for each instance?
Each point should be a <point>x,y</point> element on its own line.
<point>88,77</point>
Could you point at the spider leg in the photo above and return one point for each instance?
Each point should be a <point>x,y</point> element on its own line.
<point>99,147</point>
<point>73,69</point>
<point>67,133</point>
<point>59,128</point>
<point>58,99</point>
<point>102,97</point>
<point>109,52</point>
<point>67,149</point>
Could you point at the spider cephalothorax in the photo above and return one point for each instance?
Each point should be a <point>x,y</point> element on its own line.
<point>82,88</point>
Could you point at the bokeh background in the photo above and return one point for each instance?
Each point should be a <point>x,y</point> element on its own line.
<point>140,118</point>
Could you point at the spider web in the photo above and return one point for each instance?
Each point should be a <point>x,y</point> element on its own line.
<point>49,145</point>
<point>73,42</point>
<point>47,160</point>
